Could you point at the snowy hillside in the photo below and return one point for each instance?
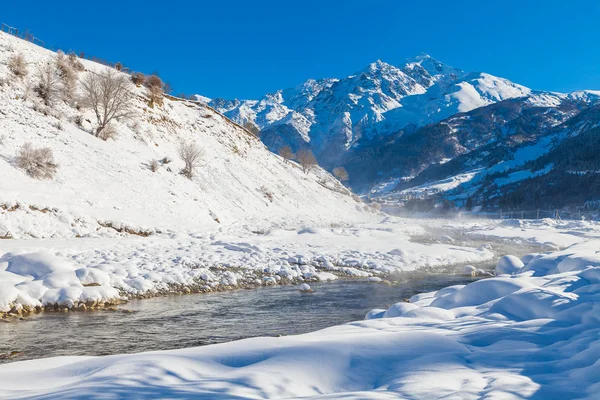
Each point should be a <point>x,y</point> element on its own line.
<point>100,183</point>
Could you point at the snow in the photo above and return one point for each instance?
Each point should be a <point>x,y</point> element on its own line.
<point>508,265</point>
<point>131,266</point>
<point>106,228</point>
<point>529,335</point>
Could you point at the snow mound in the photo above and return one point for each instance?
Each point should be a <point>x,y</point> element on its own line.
<point>508,265</point>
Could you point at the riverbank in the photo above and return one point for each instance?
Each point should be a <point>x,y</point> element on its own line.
<point>73,273</point>
<point>532,334</point>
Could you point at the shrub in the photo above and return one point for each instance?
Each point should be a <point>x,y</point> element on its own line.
<point>37,162</point>
<point>108,132</point>
<point>75,63</point>
<point>191,155</point>
<point>18,66</point>
<point>119,66</point>
<point>165,160</point>
<point>138,78</point>
<point>267,193</point>
<point>155,87</point>
<point>153,166</point>
<point>154,81</point>
<point>48,87</point>
<point>67,74</point>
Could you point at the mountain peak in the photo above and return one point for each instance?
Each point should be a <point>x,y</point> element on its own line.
<point>433,67</point>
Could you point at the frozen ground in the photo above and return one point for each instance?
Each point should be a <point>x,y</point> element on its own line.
<point>533,334</point>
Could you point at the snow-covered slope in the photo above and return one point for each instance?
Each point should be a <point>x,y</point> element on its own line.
<point>111,182</point>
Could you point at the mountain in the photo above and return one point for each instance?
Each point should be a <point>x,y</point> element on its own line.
<point>410,129</point>
<point>117,185</point>
<point>335,117</point>
<point>523,154</point>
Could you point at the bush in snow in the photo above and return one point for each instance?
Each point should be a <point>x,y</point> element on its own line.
<point>138,78</point>
<point>287,153</point>
<point>37,162</point>
<point>18,66</point>
<point>49,83</point>
<point>307,160</point>
<point>153,166</point>
<point>341,174</point>
<point>67,74</point>
<point>108,95</point>
<point>267,193</point>
<point>375,206</point>
<point>191,155</point>
<point>109,132</point>
<point>155,87</point>
<point>75,63</point>
<point>119,66</point>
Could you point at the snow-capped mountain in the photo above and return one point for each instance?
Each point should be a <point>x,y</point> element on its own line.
<point>394,128</point>
<point>337,116</point>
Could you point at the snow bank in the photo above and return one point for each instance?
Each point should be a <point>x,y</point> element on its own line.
<point>532,334</point>
<point>65,271</point>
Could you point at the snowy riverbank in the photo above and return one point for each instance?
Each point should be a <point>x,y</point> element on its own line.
<point>70,273</point>
<point>529,335</point>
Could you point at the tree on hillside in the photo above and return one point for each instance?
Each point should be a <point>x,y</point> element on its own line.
<point>252,128</point>
<point>287,153</point>
<point>108,94</point>
<point>306,159</point>
<point>191,155</point>
<point>341,174</point>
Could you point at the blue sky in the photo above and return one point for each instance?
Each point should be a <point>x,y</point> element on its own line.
<point>244,49</point>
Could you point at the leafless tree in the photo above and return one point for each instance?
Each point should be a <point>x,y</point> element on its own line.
<point>37,162</point>
<point>18,66</point>
<point>341,174</point>
<point>49,83</point>
<point>307,160</point>
<point>252,128</point>
<point>287,153</point>
<point>191,155</point>
<point>108,95</point>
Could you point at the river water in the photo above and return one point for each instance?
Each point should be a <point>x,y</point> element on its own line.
<point>198,319</point>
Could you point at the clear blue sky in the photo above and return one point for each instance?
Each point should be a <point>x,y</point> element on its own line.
<point>244,49</point>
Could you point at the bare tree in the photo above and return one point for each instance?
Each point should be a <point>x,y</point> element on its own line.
<point>37,162</point>
<point>287,153</point>
<point>108,95</point>
<point>341,174</point>
<point>191,155</point>
<point>18,66</point>
<point>252,128</point>
<point>49,85</point>
<point>307,160</point>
